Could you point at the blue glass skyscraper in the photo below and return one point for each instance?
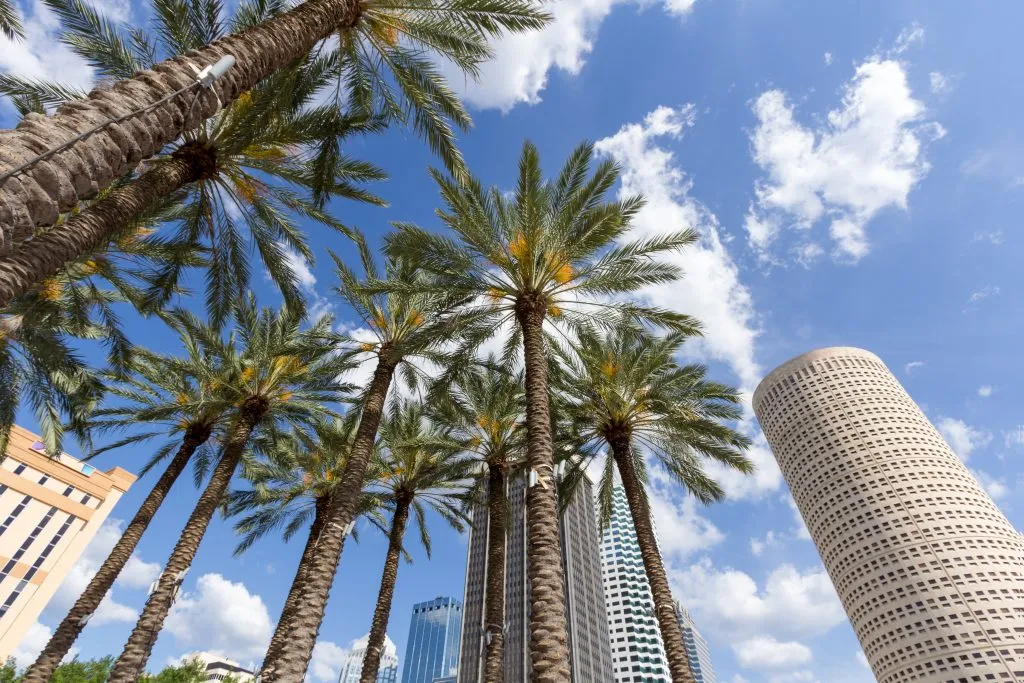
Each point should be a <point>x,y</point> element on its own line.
<point>433,647</point>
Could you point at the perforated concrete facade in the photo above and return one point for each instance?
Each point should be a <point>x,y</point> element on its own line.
<point>930,572</point>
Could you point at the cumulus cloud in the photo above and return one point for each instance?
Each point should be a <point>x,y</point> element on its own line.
<point>993,237</point>
<point>712,289</point>
<point>983,293</point>
<point>961,437</point>
<point>792,603</point>
<point>866,156</point>
<point>828,59</point>
<point>222,617</point>
<point>682,531</point>
<point>40,55</point>
<point>33,642</point>
<point>81,573</point>
<point>522,63</point>
<point>765,652</point>
<point>327,661</point>
<point>759,545</point>
<point>985,390</point>
<point>995,487</point>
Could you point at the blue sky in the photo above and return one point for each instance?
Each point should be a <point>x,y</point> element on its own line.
<point>856,172</point>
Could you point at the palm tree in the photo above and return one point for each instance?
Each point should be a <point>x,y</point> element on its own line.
<point>288,487</point>
<point>422,467</point>
<point>272,374</point>
<point>547,255</point>
<point>405,327</point>
<point>624,391</point>
<point>483,409</point>
<point>10,22</point>
<point>380,42</point>
<point>38,363</point>
<point>237,179</point>
<point>164,394</point>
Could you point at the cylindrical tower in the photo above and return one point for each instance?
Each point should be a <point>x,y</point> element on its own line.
<point>930,572</point>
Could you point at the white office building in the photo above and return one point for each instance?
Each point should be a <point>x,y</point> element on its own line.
<point>697,653</point>
<point>638,654</point>
<point>353,669</point>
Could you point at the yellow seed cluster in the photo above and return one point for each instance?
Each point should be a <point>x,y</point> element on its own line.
<point>51,289</point>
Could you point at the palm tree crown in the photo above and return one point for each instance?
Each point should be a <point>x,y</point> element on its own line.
<point>257,163</point>
<point>628,385</point>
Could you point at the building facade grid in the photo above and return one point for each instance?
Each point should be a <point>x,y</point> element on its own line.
<point>929,571</point>
<point>589,649</point>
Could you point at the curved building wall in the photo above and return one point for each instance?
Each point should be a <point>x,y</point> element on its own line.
<point>930,572</point>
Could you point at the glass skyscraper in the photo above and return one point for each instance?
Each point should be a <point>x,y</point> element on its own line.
<point>697,652</point>
<point>432,651</point>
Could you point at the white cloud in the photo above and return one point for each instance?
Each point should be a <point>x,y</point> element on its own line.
<point>85,568</point>
<point>913,365</point>
<point>711,290</point>
<point>1014,437</point>
<point>794,677</point>
<point>985,390</point>
<point>995,487</point>
<point>983,293</point>
<point>222,617</point>
<point>327,661</point>
<point>867,156</point>
<point>681,529</point>
<point>298,265</point>
<point>792,604</point>
<point>522,63</point>
<point>33,642</point>
<point>907,38</point>
<point>828,59</point>
<point>138,574</point>
<point>758,545</point>
<point>862,659</point>
<point>961,437</point>
<point>41,56</point>
<point>994,237</point>
<point>767,653</point>
<point>940,83</point>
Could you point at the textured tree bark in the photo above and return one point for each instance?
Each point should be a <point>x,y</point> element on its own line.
<point>37,196</point>
<point>664,608</point>
<point>549,649</point>
<point>290,663</point>
<point>379,625</point>
<point>494,605</point>
<point>69,629</point>
<point>285,624</point>
<point>130,665</point>
<point>46,255</point>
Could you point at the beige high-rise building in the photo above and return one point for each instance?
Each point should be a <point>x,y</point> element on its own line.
<point>50,508</point>
<point>930,572</point>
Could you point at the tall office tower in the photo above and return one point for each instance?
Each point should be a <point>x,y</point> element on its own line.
<point>697,652</point>
<point>386,673</point>
<point>432,650</point>
<point>638,653</point>
<point>51,508</point>
<point>929,571</point>
<point>589,649</point>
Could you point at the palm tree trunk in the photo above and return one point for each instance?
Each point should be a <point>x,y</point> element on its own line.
<point>664,608</point>
<point>36,196</point>
<point>289,664</point>
<point>379,626</point>
<point>494,605</point>
<point>44,256</point>
<point>129,666</point>
<point>285,624</point>
<point>69,629</point>
<point>549,650</point>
